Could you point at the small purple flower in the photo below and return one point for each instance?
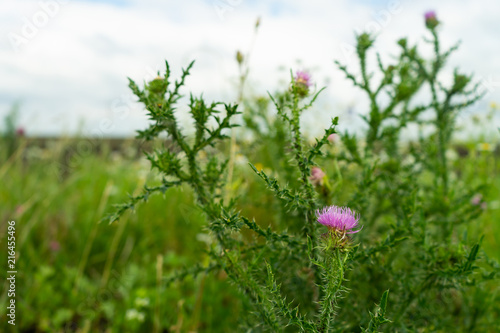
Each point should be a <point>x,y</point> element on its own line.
<point>341,219</point>
<point>430,15</point>
<point>303,78</point>
<point>317,176</point>
<point>431,20</point>
<point>302,83</point>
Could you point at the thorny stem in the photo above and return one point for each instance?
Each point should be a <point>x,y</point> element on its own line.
<point>305,171</point>
<point>441,116</point>
<point>334,266</point>
<point>302,162</point>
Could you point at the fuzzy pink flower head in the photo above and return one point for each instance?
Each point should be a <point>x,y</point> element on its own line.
<point>339,218</point>
<point>429,15</point>
<point>302,84</point>
<point>431,20</point>
<point>317,176</point>
<point>331,138</point>
<point>304,78</point>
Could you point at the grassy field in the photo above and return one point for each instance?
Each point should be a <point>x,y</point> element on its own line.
<point>76,274</point>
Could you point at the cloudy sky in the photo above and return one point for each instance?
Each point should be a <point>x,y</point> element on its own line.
<point>67,62</point>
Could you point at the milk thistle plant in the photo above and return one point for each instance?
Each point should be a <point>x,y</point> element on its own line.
<point>311,269</point>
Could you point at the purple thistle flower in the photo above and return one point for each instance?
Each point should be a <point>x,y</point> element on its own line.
<point>302,77</point>
<point>339,218</point>
<point>430,15</point>
<point>302,83</point>
<point>431,20</point>
<point>317,176</point>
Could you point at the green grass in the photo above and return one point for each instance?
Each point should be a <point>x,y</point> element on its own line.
<point>76,274</point>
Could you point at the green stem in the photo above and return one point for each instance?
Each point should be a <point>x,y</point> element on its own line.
<point>334,273</point>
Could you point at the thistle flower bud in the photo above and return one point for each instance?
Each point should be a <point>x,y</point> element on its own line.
<point>157,85</point>
<point>365,41</point>
<point>431,21</point>
<point>317,176</point>
<point>331,138</point>
<point>302,83</point>
<point>460,82</point>
<point>239,57</point>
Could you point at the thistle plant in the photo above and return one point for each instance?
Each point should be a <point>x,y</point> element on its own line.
<point>310,269</point>
<point>340,221</point>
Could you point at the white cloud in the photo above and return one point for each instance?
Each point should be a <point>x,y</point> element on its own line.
<point>75,67</point>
